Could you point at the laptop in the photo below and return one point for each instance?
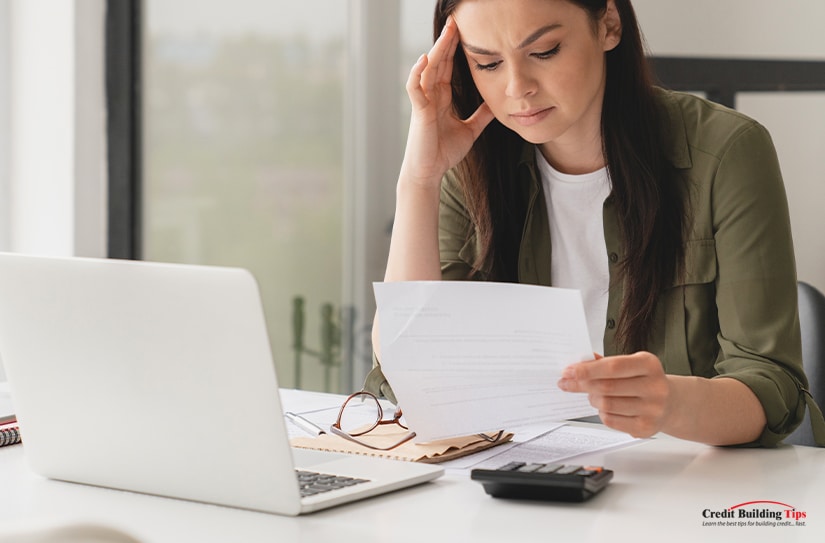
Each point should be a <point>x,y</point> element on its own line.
<point>158,378</point>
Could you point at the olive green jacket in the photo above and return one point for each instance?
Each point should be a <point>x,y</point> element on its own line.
<point>733,312</point>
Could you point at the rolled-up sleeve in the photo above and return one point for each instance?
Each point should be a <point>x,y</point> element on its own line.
<point>756,294</point>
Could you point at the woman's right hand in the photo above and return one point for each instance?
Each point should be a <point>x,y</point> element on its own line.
<point>437,139</point>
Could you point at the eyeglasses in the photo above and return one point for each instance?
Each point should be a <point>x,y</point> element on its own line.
<point>355,421</point>
<point>358,420</point>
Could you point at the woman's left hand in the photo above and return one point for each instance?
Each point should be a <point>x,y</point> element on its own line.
<point>632,392</point>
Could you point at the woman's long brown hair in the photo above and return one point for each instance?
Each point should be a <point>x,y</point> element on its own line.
<point>645,188</point>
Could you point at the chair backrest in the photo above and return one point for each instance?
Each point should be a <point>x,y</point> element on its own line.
<point>812,324</point>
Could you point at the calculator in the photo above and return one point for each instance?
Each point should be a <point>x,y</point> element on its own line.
<point>534,481</point>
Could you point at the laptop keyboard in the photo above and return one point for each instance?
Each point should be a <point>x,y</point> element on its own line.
<point>312,483</point>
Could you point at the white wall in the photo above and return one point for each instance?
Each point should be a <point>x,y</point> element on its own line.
<point>734,28</point>
<point>90,165</point>
<point>765,29</point>
<point>5,123</point>
<point>52,128</point>
<point>57,145</point>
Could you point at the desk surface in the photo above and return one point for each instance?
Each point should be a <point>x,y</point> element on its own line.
<point>660,489</point>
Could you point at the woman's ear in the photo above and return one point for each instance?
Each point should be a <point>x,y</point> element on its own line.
<point>611,26</point>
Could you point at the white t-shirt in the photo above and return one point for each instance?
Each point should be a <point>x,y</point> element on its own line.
<point>579,259</point>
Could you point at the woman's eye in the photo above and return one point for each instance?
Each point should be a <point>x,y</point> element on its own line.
<point>487,67</point>
<point>549,53</point>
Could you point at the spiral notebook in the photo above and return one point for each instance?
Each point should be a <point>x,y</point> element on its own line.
<point>9,435</point>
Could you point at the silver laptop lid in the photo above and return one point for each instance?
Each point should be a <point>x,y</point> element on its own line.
<point>150,377</point>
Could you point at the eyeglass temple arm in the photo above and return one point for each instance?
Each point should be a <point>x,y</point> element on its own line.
<point>491,439</point>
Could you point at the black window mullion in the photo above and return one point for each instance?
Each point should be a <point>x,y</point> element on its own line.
<point>124,122</point>
<point>721,78</point>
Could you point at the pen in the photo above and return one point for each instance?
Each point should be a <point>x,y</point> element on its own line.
<point>304,424</point>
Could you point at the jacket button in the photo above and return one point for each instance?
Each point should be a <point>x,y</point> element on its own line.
<point>613,258</point>
<point>611,324</point>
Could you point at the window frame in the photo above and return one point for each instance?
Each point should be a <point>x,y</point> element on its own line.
<point>721,79</point>
<point>123,22</point>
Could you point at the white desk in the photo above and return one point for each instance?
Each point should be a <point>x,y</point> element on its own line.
<point>659,492</point>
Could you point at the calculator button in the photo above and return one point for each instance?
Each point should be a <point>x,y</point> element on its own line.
<point>530,467</point>
<point>567,470</point>
<point>549,468</point>
<point>586,472</point>
<point>512,466</point>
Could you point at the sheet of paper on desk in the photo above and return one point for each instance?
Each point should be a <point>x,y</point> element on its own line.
<point>305,401</point>
<point>465,357</point>
<point>6,408</point>
<point>359,414</point>
<point>555,446</point>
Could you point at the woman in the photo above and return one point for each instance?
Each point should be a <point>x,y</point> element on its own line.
<point>539,151</point>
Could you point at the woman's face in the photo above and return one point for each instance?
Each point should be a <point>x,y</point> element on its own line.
<point>539,65</point>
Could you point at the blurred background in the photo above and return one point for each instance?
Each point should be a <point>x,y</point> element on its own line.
<point>268,134</point>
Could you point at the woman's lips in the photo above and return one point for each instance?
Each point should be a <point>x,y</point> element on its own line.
<point>531,116</point>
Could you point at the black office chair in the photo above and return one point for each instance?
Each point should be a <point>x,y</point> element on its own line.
<point>812,323</point>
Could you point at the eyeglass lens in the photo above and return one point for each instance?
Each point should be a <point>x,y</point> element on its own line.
<point>360,414</point>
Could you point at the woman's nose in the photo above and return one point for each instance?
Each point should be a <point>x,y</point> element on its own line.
<point>520,84</point>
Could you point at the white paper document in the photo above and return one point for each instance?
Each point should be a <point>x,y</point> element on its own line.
<point>556,446</point>
<point>464,357</point>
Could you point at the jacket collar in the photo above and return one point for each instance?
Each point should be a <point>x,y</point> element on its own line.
<point>677,148</point>
<point>528,158</point>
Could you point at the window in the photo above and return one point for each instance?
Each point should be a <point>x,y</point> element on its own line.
<point>270,138</point>
<point>243,159</point>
